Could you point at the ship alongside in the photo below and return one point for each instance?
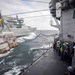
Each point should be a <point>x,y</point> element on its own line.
<point>10,29</point>
<point>17,26</point>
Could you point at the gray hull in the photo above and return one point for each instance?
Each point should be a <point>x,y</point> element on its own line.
<point>19,31</point>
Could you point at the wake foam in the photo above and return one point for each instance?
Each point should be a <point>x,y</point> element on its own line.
<point>26,38</point>
<point>41,47</point>
<point>5,54</point>
<point>15,70</point>
<point>38,51</point>
<point>2,61</point>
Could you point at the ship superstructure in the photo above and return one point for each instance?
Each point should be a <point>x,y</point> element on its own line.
<point>17,26</point>
<point>63,10</point>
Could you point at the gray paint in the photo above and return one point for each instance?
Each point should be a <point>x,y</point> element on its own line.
<point>68,24</point>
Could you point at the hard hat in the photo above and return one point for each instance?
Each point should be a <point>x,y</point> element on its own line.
<point>67,43</point>
<point>57,41</point>
<point>70,69</point>
<point>64,44</point>
<point>74,47</point>
<point>1,20</point>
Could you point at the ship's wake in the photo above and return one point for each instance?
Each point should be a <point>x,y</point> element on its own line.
<point>26,38</point>
<point>36,51</point>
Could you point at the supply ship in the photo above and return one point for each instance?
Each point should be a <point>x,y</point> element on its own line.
<point>7,39</point>
<point>17,26</point>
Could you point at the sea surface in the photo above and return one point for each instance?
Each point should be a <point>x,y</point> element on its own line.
<point>26,53</point>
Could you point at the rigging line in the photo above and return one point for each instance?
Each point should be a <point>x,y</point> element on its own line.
<point>40,34</point>
<point>7,26</point>
<point>36,1</point>
<point>48,35</point>
<point>37,16</point>
<point>27,12</point>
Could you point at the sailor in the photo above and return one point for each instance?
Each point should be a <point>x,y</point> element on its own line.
<point>65,53</point>
<point>61,52</point>
<point>54,46</point>
<point>70,71</point>
<point>68,50</point>
<point>71,54</point>
<point>61,49</point>
<point>58,47</point>
<point>61,43</point>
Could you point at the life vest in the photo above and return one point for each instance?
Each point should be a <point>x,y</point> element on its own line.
<point>61,49</point>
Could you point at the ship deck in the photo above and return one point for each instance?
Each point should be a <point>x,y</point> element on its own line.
<point>49,64</point>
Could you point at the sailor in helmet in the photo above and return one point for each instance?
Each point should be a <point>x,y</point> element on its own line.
<point>70,71</point>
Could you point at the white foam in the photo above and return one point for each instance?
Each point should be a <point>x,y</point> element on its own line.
<point>31,36</point>
<point>37,54</point>
<point>13,63</point>
<point>15,70</point>
<point>20,40</point>
<point>34,48</point>
<point>41,47</point>
<point>26,38</point>
<point>40,52</point>
<point>29,52</point>
<point>21,54</point>
<point>5,54</point>
<point>2,61</point>
<point>45,46</point>
<point>9,56</point>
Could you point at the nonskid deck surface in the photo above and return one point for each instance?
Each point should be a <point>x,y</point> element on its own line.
<point>50,64</point>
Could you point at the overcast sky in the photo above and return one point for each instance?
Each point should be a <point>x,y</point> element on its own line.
<point>17,6</point>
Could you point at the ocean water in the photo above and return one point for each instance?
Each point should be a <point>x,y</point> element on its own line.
<point>25,53</point>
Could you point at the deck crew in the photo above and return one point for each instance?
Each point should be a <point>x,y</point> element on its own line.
<point>70,71</point>
<point>71,54</point>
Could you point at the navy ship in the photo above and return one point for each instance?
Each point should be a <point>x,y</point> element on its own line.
<point>17,26</point>
<point>64,11</point>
